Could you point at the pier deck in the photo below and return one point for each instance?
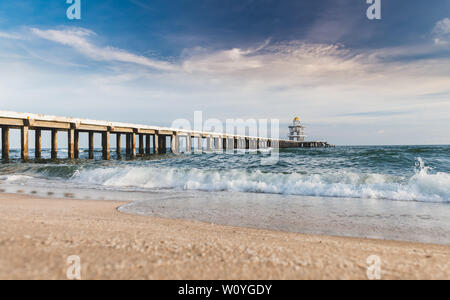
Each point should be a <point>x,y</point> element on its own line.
<point>145,134</point>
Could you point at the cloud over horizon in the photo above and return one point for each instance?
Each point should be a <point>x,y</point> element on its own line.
<point>346,92</point>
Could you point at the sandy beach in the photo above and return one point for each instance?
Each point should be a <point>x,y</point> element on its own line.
<point>37,235</point>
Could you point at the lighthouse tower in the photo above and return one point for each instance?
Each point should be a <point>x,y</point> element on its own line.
<point>296,131</point>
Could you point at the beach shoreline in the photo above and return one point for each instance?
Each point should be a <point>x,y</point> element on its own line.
<point>39,234</point>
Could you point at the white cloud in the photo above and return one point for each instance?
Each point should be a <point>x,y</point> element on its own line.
<point>78,39</point>
<point>441,32</point>
<point>10,36</point>
<point>442,27</point>
<point>320,82</point>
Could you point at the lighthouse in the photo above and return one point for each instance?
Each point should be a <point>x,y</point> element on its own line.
<point>296,131</point>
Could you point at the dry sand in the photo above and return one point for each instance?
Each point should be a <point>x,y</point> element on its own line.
<point>37,235</point>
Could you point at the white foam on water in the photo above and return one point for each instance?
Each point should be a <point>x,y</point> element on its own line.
<point>422,186</point>
<point>14,178</point>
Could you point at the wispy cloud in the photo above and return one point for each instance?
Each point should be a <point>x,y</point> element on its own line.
<point>442,32</point>
<point>329,85</point>
<point>10,36</point>
<point>375,114</point>
<point>79,40</point>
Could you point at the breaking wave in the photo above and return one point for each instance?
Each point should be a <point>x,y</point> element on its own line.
<point>423,185</point>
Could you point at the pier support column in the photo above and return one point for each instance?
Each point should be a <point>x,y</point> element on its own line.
<point>230,146</point>
<point>219,144</point>
<point>5,142</point>
<point>54,151</point>
<point>24,142</point>
<point>200,144</point>
<point>209,142</point>
<point>188,144</point>
<point>118,144</point>
<point>91,145</point>
<point>106,145</point>
<point>155,145</point>
<point>147,144</point>
<point>162,147</point>
<point>141,144</point>
<point>174,144</point>
<point>71,143</point>
<point>128,144</point>
<point>133,144</point>
<point>38,143</point>
<point>77,144</point>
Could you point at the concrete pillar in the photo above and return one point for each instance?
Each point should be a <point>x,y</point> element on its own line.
<point>54,153</point>
<point>106,145</point>
<point>133,144</point>
<point>230,145</point>
<point>147,144</point>
<point>155,145</point>
<point>71,143</point>
<point>200,144</point>
<point>174,144</point>
<point>118,144</point>
<point>218,144</point>
<point>141,144</point>
<point>128,144</point>
<point>5,142</point>
<point>91,145</point>
<point>210,143</point>
<point>24,142</point>
<point>38,143</point>
<point>162,147</point>
<point>188,144</point>
<point>253,145</point>
<point>77,144</point>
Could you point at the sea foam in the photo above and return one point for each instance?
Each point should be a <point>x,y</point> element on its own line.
<point>422,186</point>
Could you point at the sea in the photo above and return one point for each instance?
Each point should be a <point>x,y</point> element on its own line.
<point>384,192</point>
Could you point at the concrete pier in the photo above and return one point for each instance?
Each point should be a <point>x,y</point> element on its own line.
<point>77,144</point>
<point>71,143</point>
<point>54,151</point>
<point>106,145</point>
<point>119,144</point>
<point>147,135</point>
<point>91,145</point>
<point>147,144</point>
<point>24,142</point>
<point>38,143</point>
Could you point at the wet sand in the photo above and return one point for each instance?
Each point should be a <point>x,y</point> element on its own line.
<point>37,235</point>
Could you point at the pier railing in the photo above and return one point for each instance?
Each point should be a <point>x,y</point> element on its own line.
<point>144,133</point>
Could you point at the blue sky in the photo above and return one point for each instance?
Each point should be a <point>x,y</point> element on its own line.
<point>351,80</point>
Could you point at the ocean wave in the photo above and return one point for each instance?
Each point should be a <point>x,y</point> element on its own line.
<point>14,178</point>
<point>422,186</point>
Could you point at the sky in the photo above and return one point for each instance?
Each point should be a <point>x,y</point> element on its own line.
<point>351,80</point>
